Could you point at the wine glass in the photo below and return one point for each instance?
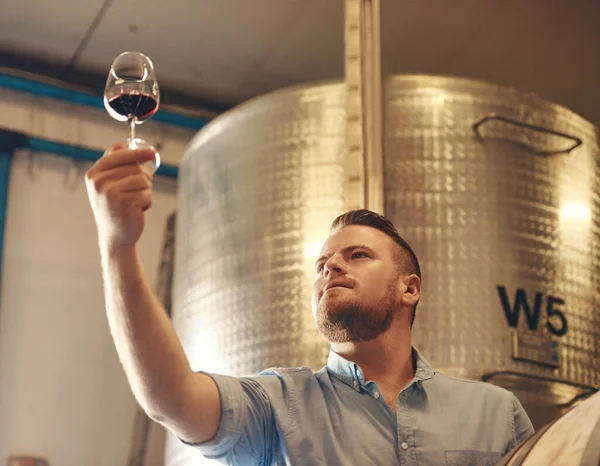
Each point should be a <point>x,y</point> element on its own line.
<point>131,94</point>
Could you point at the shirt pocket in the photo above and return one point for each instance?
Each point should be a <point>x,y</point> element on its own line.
<point>471,458</point>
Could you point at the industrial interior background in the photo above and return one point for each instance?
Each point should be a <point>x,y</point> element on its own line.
<point>63,395</point>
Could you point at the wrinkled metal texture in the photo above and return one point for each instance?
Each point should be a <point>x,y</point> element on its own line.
<point>259,187</point>
<point>491,211</point>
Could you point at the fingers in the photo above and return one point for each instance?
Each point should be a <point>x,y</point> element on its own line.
<point>122,165</point>
<point>123,179</point>
<point>127,194</point>
<point>133,183</point>
<point>141,199</point>
<point>102,178</point>
<point>144,199</point>
<point>119,189</point>
<point>120,156</point>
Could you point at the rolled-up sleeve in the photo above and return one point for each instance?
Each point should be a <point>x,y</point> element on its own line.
<point>247,429</point>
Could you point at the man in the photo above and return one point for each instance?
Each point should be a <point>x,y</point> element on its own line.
<point>377,402</point>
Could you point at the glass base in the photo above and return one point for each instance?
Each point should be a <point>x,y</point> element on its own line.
<point>137,143</point>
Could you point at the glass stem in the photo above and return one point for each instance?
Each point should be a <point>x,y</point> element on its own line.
<point>132,128</point>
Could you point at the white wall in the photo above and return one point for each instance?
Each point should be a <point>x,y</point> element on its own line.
<point>63,394</point>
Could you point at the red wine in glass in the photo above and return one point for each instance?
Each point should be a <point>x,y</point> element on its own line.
<point>132,95</point>
<point>134,105</point>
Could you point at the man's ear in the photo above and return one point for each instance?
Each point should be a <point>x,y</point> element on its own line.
<point>412,293</point>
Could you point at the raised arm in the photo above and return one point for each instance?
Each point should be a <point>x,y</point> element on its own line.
<point>187,403</point>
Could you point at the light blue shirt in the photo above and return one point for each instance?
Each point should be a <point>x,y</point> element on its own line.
<point>336,417</point>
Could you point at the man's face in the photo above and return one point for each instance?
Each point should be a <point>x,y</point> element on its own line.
<point>356,290</point>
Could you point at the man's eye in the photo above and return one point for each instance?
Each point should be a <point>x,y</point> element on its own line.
<point>319,268</point>
<point>358,255</point>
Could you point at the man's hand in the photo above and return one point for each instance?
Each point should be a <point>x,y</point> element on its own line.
<point>120,191</point>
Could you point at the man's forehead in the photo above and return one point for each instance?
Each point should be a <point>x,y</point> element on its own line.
<point>352,235</point>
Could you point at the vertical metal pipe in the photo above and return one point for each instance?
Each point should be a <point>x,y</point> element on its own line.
<point>363,164</point>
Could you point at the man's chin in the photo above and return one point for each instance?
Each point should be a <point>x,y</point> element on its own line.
<point>346,324</point>
<point>336,334</point>
<point>338,325</point>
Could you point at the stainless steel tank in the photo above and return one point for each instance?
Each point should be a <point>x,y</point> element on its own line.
<point>498,192</point>
<point>495,189</point>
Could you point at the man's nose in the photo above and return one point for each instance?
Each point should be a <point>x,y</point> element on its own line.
<point>333,266</point>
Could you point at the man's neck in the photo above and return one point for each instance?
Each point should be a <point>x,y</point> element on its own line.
<point>387,360</point>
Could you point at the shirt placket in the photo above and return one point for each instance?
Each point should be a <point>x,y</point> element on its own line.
<point>373,390</point>
<point>407,454</point>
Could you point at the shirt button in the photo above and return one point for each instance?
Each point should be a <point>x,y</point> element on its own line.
<point>376,395</point>
<point>404,445</point>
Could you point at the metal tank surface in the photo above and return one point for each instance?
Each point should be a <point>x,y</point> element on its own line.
<point>571,440</point>
<point>258,189</point>
<point>495,189</point>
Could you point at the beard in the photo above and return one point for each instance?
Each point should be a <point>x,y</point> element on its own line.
<point>346,321</point>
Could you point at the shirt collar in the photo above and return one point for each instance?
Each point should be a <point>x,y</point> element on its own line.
<point>351,373</point>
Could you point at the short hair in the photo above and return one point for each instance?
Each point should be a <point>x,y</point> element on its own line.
<point>405,258</point>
